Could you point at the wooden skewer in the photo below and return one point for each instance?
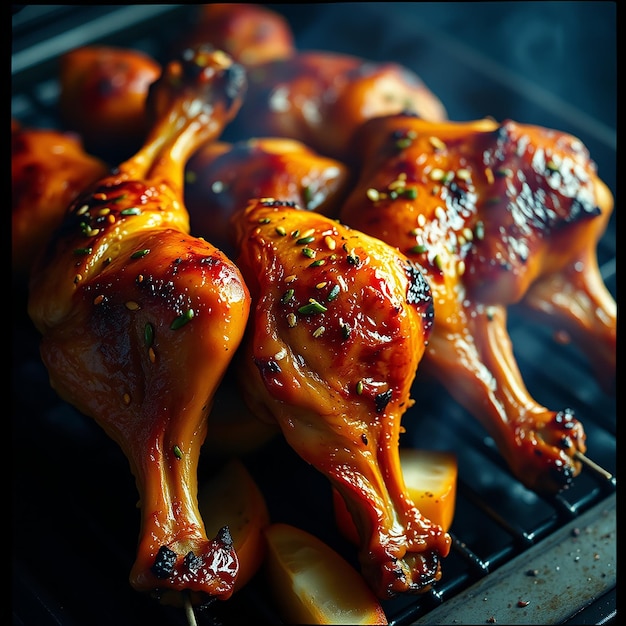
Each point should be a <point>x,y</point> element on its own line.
<point>594,466</point>
<point>191,616</point>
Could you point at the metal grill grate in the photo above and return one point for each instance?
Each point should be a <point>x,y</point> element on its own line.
<point>74,518</point>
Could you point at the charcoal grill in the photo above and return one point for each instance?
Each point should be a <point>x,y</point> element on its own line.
<point>516,557</point>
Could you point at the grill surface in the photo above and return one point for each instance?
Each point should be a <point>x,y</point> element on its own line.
<point>516,558</point>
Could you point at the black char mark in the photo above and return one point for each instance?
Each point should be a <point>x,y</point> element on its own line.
<point>164,563</point>
<point>419,294</point>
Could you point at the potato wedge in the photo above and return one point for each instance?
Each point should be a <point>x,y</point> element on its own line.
<point>430,477</point>
<point>233,498</point>
<point>313,584</point>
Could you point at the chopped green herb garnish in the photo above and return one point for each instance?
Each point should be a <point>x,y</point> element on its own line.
<point>181,320</point>
<point>312,307</point>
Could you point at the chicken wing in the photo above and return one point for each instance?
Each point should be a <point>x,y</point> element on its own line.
<point>140,320</point>
<point>338,325</point>
<point>494,214</point>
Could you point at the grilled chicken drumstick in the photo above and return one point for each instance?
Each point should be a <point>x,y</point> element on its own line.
<point>140,320</point>
<point>250,33</point>
<point>494,214</point>
<point>321,98</point>
<point>103,96</point>
<point>338,325</point>
<point>575,300</point>
<point>223,177</point>
<point>316,97</point>
<point>220,179</point>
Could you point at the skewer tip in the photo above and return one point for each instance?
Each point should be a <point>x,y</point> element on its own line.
<point>592,465</point>
<point>191,616</point>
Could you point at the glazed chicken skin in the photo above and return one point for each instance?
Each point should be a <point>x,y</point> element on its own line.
<point>250,33</point>
<point>103,92</point>
<point>495,214</point>
<point>222,177</point>
<point>139,321</point>
<point>49,168</point>
<point>321,98</point>
<point>338,324</point>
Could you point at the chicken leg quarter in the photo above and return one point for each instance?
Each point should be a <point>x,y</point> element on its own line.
<point>495,215</point>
